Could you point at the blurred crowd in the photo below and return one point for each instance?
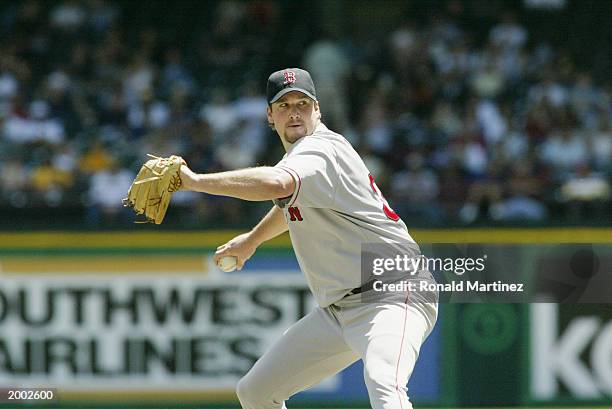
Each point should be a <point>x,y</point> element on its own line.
<point>456,129</point>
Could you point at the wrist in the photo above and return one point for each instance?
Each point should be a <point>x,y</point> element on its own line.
<point>189,179</point>
<point>255,238</point>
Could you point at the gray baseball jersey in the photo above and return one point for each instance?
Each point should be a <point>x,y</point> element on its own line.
<point>336,206</point>
<point>338,218</point>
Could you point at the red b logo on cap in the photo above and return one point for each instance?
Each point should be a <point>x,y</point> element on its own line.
<point>289,77</point>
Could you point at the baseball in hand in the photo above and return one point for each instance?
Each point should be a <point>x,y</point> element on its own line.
<point>227,263</point>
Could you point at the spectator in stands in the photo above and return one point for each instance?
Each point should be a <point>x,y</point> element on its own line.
<point>96,159</point>
<point>49,182</point>
<point>508,33</point>
<point>600,146</point>
<point>415,191</point>
<point>477,112</point>
<point>522,202</point>
<point>219,114</point>
<point>14,182</point>
<point>484,195</point>
<point>564,151</point>
<point>585,191</point>
<point>107,189</point>
<point>330,68</point>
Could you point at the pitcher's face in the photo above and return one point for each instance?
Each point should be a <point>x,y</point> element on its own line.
<point>294,116</point>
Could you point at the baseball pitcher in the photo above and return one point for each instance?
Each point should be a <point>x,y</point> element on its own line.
<point>327,199</point>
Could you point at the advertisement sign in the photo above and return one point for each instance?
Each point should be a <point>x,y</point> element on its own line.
<point>138,332</point>
<point>571,352</point>
<point>174,333</point>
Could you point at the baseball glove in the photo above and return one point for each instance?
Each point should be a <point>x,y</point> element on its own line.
<point>152,189</point>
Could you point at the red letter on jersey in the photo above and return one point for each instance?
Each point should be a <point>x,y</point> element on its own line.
<point>388,211</point>
<point>295,214</point>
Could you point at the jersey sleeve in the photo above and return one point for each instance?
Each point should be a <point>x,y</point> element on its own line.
<point>314,172</point>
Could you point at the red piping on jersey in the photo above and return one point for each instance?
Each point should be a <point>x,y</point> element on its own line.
<point>399,358</point>
<point>299,180</point>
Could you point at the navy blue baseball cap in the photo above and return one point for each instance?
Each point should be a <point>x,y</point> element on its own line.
<point>287,80</point>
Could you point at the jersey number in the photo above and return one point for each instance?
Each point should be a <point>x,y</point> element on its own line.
<point>388,211</point>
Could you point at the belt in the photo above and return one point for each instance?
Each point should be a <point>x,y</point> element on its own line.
<point>366,287</point>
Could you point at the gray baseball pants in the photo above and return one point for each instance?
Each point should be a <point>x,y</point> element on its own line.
<point>386,336</point>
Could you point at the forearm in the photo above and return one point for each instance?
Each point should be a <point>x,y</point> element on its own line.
<point>256,184</point>
<point>244,245</point>
<point>272,225</point>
